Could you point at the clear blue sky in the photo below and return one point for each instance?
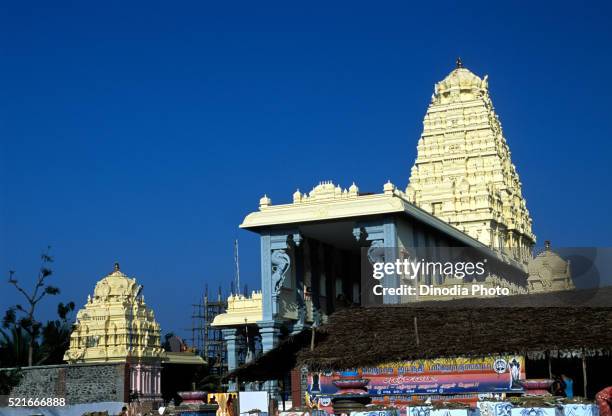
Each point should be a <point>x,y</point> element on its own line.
<point>145,132</point>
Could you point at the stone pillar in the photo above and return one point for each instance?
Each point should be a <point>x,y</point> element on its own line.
<point>147,382</point>
<point>230,336</point>
<point>299,289</point>
<point>270,337</point>
<point>142,382</point>
<point>270,334</point>
<point>136,381</point>
<point>158,382</point>
<point>315,281</point>
<point>275,267</point>
<point>266,276</point>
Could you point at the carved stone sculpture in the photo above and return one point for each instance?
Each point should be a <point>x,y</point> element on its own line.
<point>376,252</point>
<point>280,265</point>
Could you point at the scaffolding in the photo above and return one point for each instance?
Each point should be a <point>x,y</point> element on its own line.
<point>206,339</point>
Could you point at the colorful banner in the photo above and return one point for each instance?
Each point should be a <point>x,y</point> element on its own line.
<point>493,374</point>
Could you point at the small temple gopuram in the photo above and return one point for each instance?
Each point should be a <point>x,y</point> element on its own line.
<point>115,325</point>
<point>464,192</point>
<point>548,272</point>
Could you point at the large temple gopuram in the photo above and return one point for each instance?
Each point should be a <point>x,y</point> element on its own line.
<point>463,173</point>
<point>464,194</point>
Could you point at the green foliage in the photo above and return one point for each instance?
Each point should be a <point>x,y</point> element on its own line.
<point>14,342</point>
<point>10,317</point>
<point>64,310</point>
<point>8,380</point>
<point>26,341</point>
<point>53,339</point>
<point>55,336</point>
<point>13,353</point>
<point>51,290</point>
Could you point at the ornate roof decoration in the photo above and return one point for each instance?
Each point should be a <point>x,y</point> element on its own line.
<point>264,202</point>
<point>241,310</point>
<point>324,191</point>
<point>116,285</point>
<point>461,83</point>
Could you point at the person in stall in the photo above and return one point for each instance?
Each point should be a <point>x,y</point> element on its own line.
<point>569,386</point>
<point>557,388</point>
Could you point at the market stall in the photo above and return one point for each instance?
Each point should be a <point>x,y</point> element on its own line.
<point>468,353</point>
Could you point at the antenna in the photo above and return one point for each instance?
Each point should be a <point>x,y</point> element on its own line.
<point>237,261</point>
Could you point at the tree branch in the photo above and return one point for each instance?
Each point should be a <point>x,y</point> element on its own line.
<point>19,288</point>
<point>40,297</point>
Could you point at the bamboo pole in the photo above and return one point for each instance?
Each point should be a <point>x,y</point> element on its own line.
<point>584,373</point>
<point>312,338</point>
<point>549,365</point>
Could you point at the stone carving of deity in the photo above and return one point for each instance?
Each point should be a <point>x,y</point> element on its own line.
<point>376,252</point>
<point>280,265</point>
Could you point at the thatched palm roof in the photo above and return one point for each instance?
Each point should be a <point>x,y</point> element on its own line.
<point>274,364</point>
<point>359,336</point>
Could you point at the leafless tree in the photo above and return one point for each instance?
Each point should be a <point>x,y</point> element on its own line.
<point>28,321</point>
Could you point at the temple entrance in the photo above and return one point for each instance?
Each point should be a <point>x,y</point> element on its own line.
<point>331,269</point>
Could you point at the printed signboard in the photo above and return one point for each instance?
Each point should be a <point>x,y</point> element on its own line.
<point>493,374</point>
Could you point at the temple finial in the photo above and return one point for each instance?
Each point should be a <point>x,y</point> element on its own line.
<point>116,267</point>
<point>459,63</point>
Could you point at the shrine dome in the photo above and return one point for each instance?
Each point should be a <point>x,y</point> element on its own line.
<point>548,263</point>
<point>116,285</point>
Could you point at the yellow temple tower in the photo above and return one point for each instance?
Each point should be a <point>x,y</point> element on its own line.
<point>463,173</point>
<point>116,326</point>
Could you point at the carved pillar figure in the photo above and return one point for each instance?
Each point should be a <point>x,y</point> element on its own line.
<point>275,267</point>
<point>281,262</point>
<point>381,237</point>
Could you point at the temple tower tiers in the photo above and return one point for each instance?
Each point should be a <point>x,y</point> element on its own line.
<point>463,173</point>
<point>115,325</point>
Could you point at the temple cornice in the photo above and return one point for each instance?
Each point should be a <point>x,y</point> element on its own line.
<point>323,210</point>
<point>391,201</point>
